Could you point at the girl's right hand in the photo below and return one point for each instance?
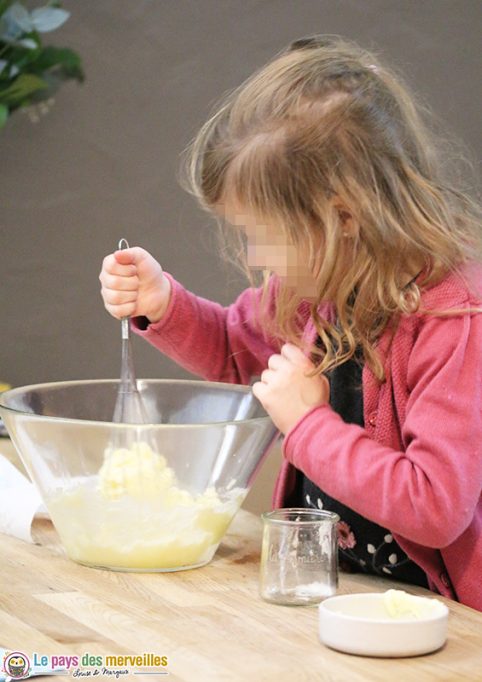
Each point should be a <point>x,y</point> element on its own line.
<point>134,284</point>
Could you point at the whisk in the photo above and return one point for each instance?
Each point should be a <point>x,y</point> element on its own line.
<point>129,407</point>
<point>130,458</point>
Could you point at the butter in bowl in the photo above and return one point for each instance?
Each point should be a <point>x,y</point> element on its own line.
<point>390,624</point>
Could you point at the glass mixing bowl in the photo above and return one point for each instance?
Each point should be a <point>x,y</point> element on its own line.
<point>148,497</point>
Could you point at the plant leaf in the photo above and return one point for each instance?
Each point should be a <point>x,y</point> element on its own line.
<point>4,5</point>
<point>21,88</point>
<point>68,61</point>
<point>23,57</point>
<point>18,18</point>
<point>28,43</point>
<point>8,30</point>
<point>47,19</point>
<point>3,115</point>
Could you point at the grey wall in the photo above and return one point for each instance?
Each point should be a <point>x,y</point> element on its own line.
<point>102,163</point>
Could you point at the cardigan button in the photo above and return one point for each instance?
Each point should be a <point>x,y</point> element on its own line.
<point>445,579</point>
<point>372,418</point>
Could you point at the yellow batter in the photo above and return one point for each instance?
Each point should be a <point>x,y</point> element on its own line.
<point>133,515</point>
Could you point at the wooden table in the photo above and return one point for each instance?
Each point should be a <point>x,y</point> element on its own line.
<point>209,622</point>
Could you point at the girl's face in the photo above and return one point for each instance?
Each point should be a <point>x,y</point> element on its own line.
<point>268,249</point>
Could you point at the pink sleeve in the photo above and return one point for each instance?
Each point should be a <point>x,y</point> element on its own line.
<point>215,342</point>
<point>429,492</point>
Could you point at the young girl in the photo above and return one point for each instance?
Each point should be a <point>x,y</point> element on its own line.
<point>366,334</point>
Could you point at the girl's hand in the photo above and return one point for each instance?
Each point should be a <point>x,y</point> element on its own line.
<point>285,391</point>
<point>133,284</point>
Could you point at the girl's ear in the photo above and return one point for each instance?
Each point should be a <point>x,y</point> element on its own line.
<point>348,223</point>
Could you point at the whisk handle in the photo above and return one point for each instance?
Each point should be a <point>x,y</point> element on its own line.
<point>124,244</point>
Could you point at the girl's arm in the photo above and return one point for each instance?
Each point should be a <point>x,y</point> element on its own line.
<point>428,492</point>
<point>215,342</point>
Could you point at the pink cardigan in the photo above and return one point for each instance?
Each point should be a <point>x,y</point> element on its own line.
<point>416,466</point>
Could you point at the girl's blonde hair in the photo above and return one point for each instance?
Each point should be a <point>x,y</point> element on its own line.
<point>325,120</point>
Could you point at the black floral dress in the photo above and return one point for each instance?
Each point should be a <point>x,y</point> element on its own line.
<point>362,544</point>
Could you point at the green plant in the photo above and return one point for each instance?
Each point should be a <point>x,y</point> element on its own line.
<point>29,71</point>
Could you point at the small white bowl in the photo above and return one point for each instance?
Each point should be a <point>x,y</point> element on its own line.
<point>360,624</point>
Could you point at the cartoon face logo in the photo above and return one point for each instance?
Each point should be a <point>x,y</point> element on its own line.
<point>16,665</point>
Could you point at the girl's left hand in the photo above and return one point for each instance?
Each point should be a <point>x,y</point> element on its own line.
<point>285,391</point>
